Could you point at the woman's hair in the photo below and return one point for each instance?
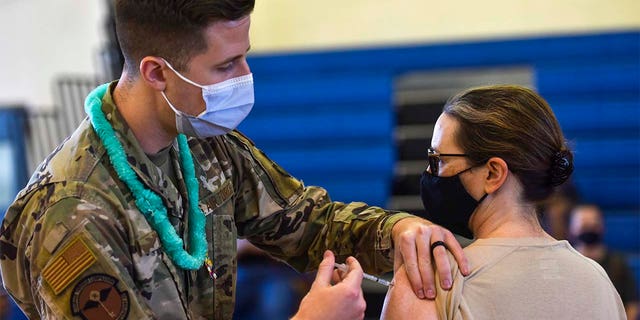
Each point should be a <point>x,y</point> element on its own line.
<point>515,124</point>
<point>171,29</point>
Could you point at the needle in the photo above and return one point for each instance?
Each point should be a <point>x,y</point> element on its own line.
<point>343,267</point>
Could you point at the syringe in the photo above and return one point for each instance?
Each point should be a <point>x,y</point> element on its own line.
<point>343,267</point>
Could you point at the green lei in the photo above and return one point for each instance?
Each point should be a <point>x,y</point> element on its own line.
<point>147,201</point>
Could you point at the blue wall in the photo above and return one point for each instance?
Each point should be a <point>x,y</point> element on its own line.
<point>12,131</point>
<point>327,117</point>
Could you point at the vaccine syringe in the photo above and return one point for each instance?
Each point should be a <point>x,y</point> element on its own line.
<point>343,267</point>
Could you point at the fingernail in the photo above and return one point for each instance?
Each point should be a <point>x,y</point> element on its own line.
<point>326,253</point>
<point>430,294</point>
<point>446,284</point>
<point>421,294</point>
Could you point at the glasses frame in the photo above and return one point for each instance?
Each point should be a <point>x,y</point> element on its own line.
<point>433,158</point>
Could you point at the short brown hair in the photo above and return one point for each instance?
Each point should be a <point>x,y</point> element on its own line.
<point>516,124</point>
<point>171,29</point>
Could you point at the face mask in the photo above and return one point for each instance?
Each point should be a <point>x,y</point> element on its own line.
<point>590,237</point>
<point>448,203</point>
<point>227,104</point>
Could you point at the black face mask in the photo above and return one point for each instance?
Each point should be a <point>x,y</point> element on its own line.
<point>448,203</point>
<point>590,237</point>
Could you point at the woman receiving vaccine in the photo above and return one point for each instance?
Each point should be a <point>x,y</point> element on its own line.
<point>496,154</point>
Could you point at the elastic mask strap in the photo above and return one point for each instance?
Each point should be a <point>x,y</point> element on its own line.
<point>171,105</point>
<point>181,76</point>
<point>465,170</point>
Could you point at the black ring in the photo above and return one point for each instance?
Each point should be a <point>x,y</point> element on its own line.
<point>437,243</point>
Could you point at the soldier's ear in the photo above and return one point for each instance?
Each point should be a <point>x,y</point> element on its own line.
<point>152,71</point>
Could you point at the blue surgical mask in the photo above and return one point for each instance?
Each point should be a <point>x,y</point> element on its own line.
<point>227,104</point>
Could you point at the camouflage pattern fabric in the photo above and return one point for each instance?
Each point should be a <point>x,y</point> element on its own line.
<point>74,245</point>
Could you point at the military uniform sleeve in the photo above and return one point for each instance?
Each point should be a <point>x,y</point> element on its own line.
<point>296,224</point>
<point>73,262</point>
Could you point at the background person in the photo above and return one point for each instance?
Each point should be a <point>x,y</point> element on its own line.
<point>586,232</point>
<point>556,211</point>
<point>267,288</point>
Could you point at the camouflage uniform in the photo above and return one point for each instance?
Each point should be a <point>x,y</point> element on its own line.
<point>75,245</point>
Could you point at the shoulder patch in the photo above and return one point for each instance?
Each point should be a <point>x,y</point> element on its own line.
<point>97,297</point>
<point>67,265</point>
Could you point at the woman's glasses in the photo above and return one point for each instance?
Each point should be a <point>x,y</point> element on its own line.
<point>434,159</point>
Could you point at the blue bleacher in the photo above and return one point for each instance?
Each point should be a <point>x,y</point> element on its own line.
<point>327,116</point>
<point>634,263</point>
<point>622,231</point>
<point>14,175</point>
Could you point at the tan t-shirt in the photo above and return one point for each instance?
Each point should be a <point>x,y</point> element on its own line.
<point>529,278</point>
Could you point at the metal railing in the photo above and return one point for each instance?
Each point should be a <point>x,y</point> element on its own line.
<point>47,129</point>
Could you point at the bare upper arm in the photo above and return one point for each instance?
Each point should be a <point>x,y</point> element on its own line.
<point>402,303</point>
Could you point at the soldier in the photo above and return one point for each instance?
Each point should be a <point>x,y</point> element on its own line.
<point>130,219</point>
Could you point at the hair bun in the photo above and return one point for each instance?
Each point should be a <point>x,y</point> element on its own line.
<point>561,167</point>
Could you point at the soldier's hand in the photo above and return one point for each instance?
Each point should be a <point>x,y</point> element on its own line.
<point>344,300</point>
<point>412,240</point>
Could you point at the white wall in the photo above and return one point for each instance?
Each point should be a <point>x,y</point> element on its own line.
<point>41,39</point>
<point>303,24</point>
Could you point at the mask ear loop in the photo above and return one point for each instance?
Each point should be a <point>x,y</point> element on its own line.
<point>171,105</point>
<point>187,81</point>
<point>181,76</point>
<point>468,169</point>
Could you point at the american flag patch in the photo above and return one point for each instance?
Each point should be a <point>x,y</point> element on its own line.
<point>72,260</point>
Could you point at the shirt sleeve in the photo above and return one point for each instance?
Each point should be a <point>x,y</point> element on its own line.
<point>73,262</point>
<point>296,224</point>
<point>450,304</point>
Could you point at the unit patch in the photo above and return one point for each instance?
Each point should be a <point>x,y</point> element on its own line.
<point>96,297</point>
<point>72,260</point>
